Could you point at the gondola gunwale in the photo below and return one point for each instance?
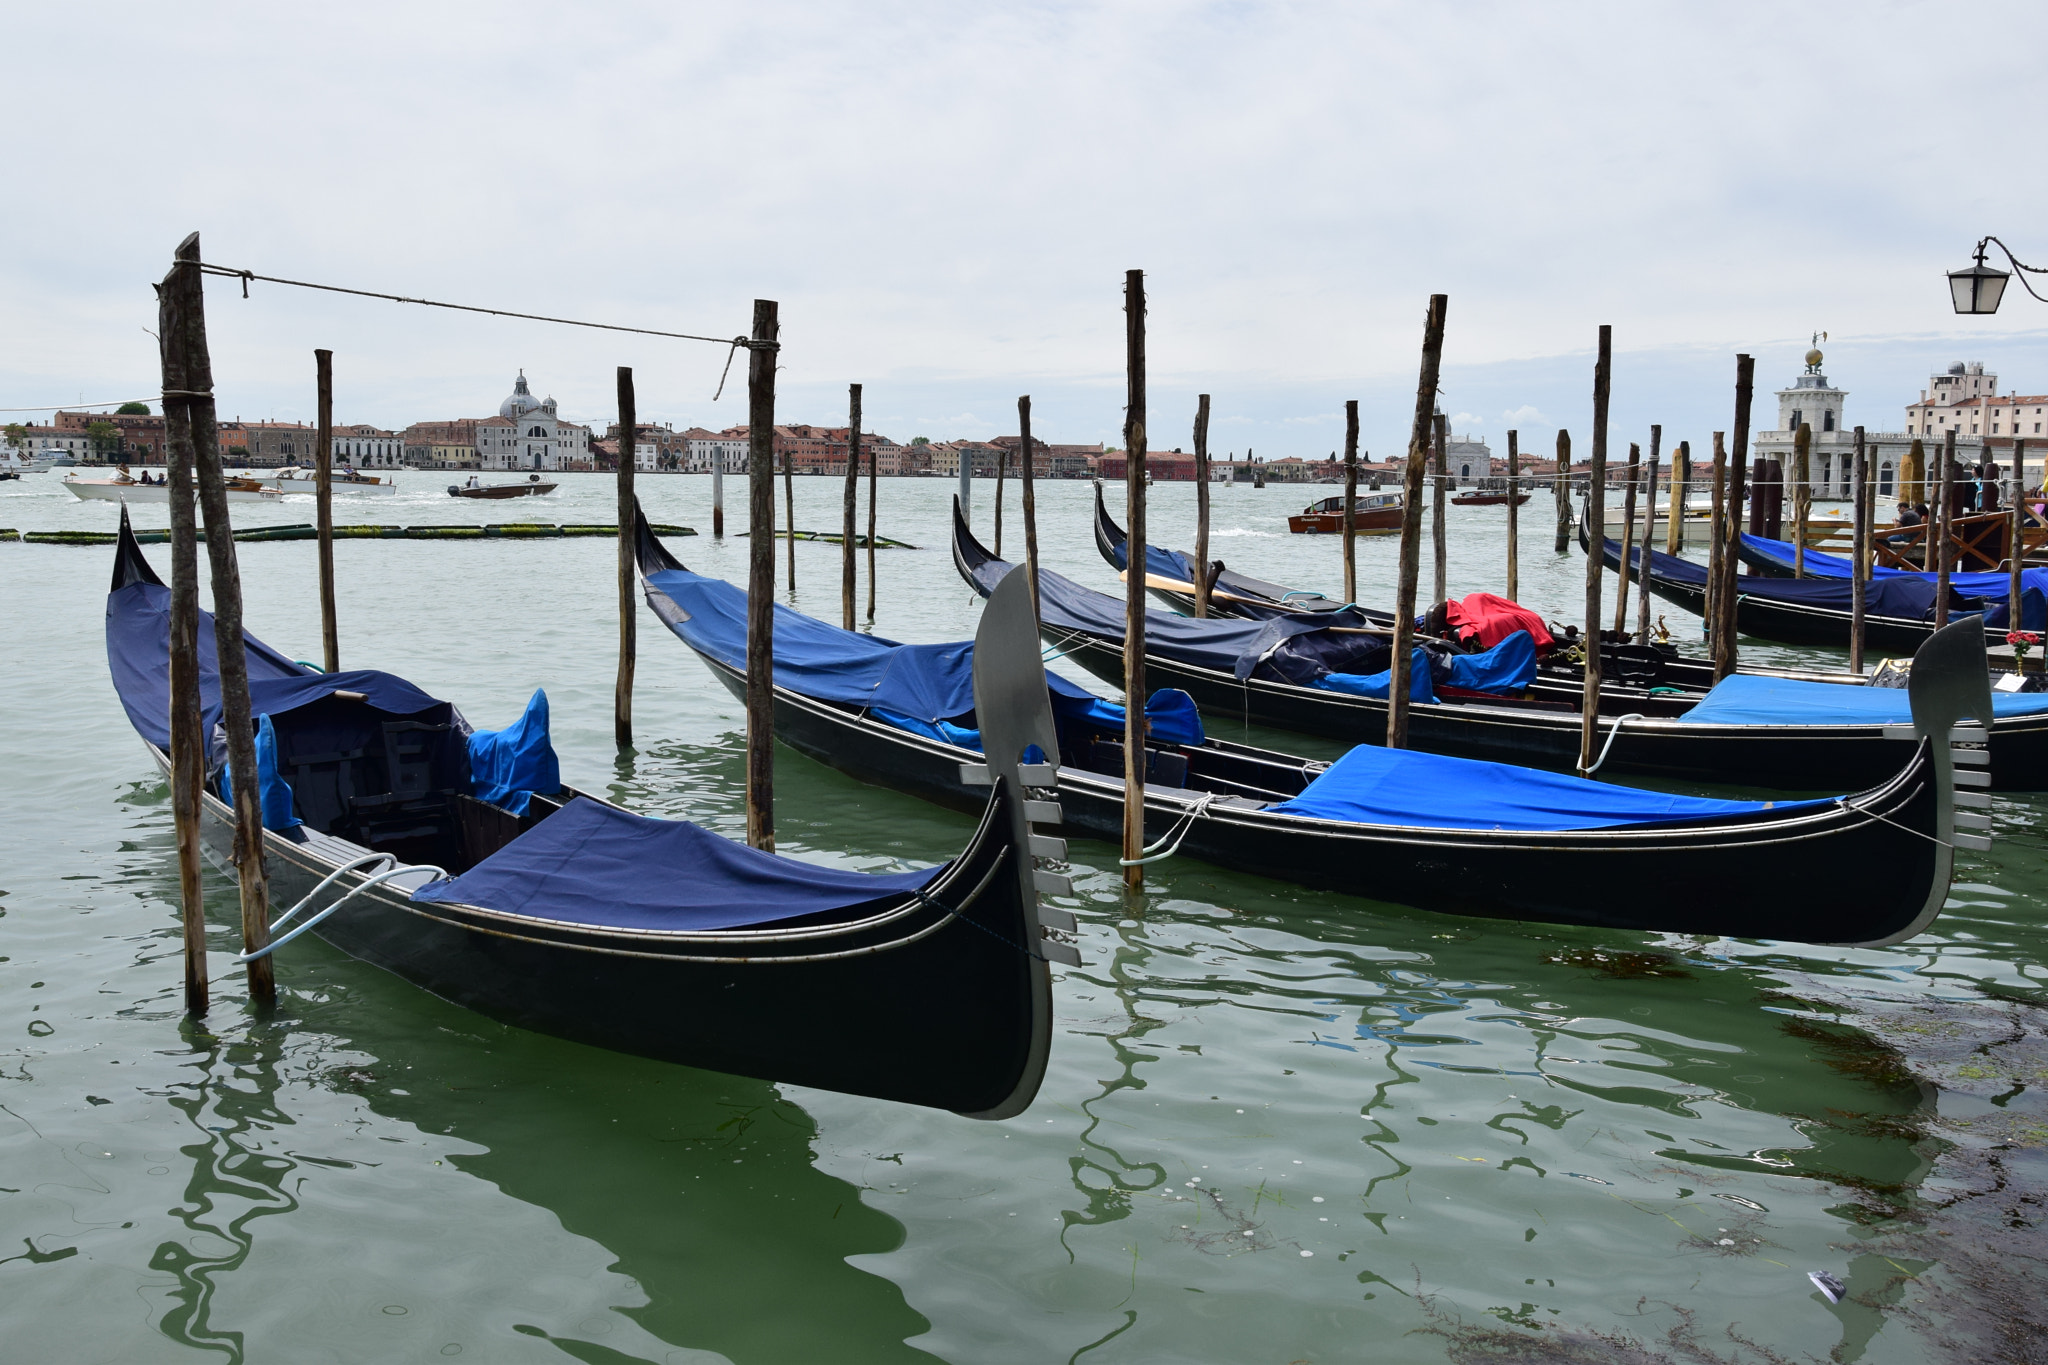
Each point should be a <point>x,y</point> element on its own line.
<point>1721,836</point>
<point>1502,732</point>
<point>938,929</point>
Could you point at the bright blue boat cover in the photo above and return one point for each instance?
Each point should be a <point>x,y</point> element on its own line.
<point>589,863</point>
<point>1381,685</point>
<point>1160,562</point>
<point>1744,699</point>
<point>275,791</point>
<point>506,767</point>
<point>1375,786</point>
<point>1907,597</point>
<point>139,657</point>
<point>1991,583</point>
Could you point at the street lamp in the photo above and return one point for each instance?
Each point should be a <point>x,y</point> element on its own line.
<point>1979,288</point>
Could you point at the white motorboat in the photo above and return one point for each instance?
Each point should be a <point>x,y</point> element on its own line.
<point>128,489</point>
<point>17,462</point>
<point>300,479</point>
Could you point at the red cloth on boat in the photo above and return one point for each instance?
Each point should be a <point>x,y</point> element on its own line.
<point>1491,619</point>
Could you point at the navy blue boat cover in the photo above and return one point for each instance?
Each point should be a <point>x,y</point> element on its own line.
<point>1375,786</point>
<point>1991,583</point>
<point>915,687</point>
<point>139,657</point>
<point>1907,597</point>
<point>590,863</point>
<point>1744,699</point>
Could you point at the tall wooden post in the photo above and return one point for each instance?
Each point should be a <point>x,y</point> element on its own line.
<point>1440,584</point>
<point>1002,470</point>
<point>1643,549</point>
<point>1202,574</point>
<point>1945,525</point>
<point>872,457</point>
<point>1679,499</point>
<point>789,511</point>
<point>846,532</point>
<point>1628,532</point>
<point>1596,519</point>
<point>1859,554</point>
<point>1725,655</point>
<point>629,458</point>
<point>178,296</point>
<point>1134,579</point>
<point>232,659</point>
<point>966,487</point>
<point>1350,504</point>
<point>1561,492</point>
<point>323,505</point>
<point>1716,543</point>
<point>1031,503</point>
<point>1411,520</point>
<point>761,576</point>
<point>1514,516</point>
<point>1802,494</point>
<point>718,495</point>
<point>2015,551</point>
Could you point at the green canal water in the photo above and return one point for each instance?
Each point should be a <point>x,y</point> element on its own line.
<point>1279,1125</point>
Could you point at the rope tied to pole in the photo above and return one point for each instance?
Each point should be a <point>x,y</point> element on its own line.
<point>1158,850</point>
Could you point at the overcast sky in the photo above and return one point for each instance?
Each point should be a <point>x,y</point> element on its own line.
<point>943,198</point>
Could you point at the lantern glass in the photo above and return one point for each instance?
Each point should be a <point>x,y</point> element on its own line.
<point>1978,289</point>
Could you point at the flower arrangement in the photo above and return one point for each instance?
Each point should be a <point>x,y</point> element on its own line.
<point>2021,641</point>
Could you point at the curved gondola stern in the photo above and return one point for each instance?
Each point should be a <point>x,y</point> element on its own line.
<point>975,561</point>
<point>129,565</point>
<point>1110,538</point>
<point>652,556</point>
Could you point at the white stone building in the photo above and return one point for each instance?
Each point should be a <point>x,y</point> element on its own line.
<point>527,434</point>
<point>704,451</point>
<point>365,447</point>
<point>1831,456</point>
<point>1967,399</point>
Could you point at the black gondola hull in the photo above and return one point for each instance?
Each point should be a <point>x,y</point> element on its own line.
<point>1838,878</point>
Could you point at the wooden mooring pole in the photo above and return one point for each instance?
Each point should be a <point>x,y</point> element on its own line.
<point>1411,520</point>
<point>1680,496</point>
<point>1514,519</point>
<point>175,296</point>
<point>761,577</point>
<point>1715,545</point>
<point>629,456</point>
<point>1628,532</point>
<point>1726,658</point>
<point>1134,581</point>
<point>1859,554</point>
<point>1002,469</point>
<point>1561,492</point>
<point>718,495</point>
<point>1802,494</point>
<point>1643,550</point>
<point>1031,502</point>
<point>846,533</point>
<point>1203,577</point>
<point>1596,525</point>
<point>872,457</point>
<point>323,505</point>
<point>232,659</point>
<point>1945,524</point>
<point>1440,582</point>
<point>2015,551</point>
<point>789,511</point>
<point>1350,505</point>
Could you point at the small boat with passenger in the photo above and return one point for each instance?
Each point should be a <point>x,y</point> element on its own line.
<point>534,487</point>
<point>342,479</point>
<point>127,487</point>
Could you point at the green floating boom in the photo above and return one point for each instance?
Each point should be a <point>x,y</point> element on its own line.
<point>353,531</point>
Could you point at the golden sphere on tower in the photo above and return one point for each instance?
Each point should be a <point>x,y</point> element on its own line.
<point>1813,356</point>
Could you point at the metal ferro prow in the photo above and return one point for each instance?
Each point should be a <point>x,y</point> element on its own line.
<point>1951,680</point>
<point>1014,714</point>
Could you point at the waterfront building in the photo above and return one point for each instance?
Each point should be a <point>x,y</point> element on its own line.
<point>704,451</point>
<point>366,447</point>
<point>1966,398</point>
<point>1811,399</point>
<point>442,445</point>
<point>528,433</point>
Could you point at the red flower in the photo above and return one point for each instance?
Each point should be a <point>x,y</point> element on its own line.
<point>2022,637</point>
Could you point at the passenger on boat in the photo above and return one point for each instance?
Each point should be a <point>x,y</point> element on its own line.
<point>472,482</point>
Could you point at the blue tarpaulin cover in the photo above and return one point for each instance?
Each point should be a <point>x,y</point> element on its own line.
<point>1994,587</point>
<point>589,863</point>
<point>506,767</point>
<point>1375,786</point>
<point>1907,597</point>
<point>1381,685</point>
<point>275,791</point>
<point>1744,699</point>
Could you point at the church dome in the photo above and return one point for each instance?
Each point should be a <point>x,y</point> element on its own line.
<point>522,400</point>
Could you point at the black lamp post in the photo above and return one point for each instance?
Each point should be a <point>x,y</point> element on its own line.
<point>1979,288</point>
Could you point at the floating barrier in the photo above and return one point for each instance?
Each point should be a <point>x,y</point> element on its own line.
<point>353,531</point>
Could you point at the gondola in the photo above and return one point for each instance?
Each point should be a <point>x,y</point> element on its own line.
<point>1898,611</point>
<point>1752,730</point>
<point>1767,558</point>
<point>1651,678</point>
<point>1442,834</point>
<point>555,910</point>
<point>1488,499</point>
